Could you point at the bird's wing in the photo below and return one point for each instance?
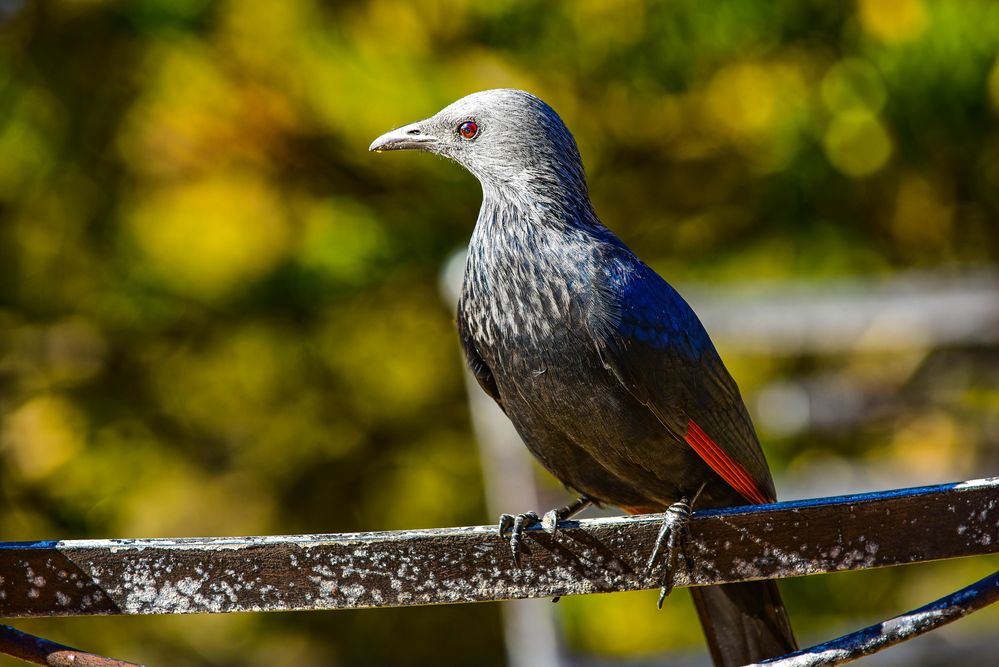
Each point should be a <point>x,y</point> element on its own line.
<point>652,341</point>
<point>475,361</point>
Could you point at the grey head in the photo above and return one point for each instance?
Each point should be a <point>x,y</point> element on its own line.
<point>507,138</point>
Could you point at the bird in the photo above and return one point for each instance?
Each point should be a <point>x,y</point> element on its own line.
<point>606,372</point>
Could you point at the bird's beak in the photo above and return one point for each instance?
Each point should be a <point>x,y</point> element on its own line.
<point>407,137</point>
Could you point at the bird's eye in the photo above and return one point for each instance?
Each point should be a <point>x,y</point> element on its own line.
<point>468,129</point>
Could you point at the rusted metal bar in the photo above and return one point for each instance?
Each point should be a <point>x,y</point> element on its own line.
<point>40,651</point>
<point>212,575</point>
<point>875,638</point>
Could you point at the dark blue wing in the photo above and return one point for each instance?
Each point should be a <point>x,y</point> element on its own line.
<point>652,341</point>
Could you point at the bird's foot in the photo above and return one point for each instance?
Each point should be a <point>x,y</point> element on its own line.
<point>514,526</point>
<point>672,539</point>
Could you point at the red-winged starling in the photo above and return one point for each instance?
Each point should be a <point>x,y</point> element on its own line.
<point>606,372</point>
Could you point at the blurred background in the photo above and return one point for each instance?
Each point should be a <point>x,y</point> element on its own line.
<point>219,315</point>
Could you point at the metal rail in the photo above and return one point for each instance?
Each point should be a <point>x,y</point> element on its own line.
<point>449,565</point>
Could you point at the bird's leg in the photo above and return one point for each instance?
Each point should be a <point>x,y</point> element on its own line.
<point>672,539</point>
<point>551,518</point>
<point>514,526</point>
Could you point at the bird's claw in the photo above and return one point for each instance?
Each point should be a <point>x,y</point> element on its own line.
<point>514,526</point>
<point>673,539</point>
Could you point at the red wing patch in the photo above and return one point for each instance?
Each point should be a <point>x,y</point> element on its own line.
<point>723,464</point>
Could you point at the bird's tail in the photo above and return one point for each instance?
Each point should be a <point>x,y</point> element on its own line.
<point>744,622</point>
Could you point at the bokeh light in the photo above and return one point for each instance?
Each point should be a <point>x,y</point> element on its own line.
<point>219,314</point>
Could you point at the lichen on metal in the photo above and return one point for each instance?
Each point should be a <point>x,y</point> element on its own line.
<point>449,565</point>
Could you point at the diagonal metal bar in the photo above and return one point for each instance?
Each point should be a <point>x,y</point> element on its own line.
<point>875,638</point>
<point>448,565</point>
<point>40,651</point>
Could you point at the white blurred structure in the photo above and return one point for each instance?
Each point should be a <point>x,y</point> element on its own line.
<point>909,311</point>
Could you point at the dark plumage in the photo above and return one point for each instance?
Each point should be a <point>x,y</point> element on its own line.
<point>608,375</point>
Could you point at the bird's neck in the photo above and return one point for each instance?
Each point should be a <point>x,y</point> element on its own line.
<point>524,209</point>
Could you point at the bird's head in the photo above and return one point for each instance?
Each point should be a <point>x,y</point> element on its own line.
<point>505,137</point>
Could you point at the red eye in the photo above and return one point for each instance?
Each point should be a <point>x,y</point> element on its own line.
<point>468,129</point>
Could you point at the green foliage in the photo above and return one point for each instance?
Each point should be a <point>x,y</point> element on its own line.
<point>219,313</point>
